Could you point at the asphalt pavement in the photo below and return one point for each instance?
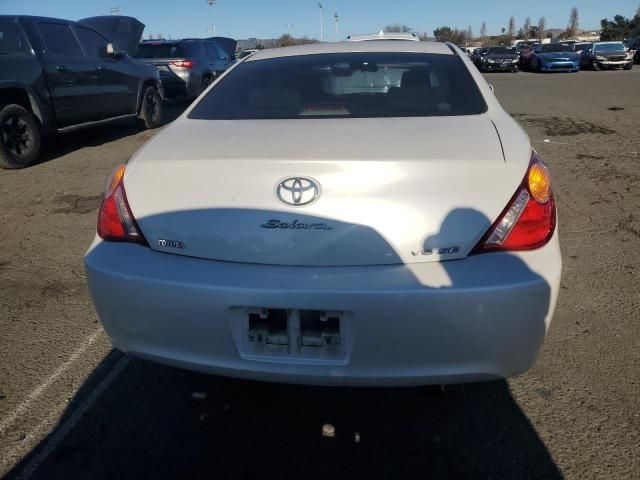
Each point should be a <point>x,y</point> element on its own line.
<point>70,407</point>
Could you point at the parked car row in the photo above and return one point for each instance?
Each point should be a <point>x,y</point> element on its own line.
<point>57,75</point>
<point>554,57</point>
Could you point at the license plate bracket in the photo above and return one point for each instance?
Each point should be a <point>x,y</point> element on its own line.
<point>295,334</point>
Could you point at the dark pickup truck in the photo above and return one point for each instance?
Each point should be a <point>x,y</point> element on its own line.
<point>57,75</point>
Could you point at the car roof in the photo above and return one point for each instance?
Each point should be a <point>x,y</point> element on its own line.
<point>381,46</point>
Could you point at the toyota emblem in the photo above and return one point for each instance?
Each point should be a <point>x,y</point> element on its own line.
<point>298,191</point>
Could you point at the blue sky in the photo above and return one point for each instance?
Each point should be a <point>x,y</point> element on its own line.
<point>270,18</point>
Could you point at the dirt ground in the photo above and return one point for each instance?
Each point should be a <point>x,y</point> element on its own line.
<point>72,408</point>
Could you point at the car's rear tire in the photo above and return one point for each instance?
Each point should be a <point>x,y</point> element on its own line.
<point>151,108</point>
<point>629,66</point>
<point>20,137</point>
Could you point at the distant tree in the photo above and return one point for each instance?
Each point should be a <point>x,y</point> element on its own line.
<point>483,32</point>
<point>542,25</point>
<point>620,28</point>
<point>397,28</point>
<point>259,46</point>
<point>526,29</point>
<point>503,30</point>
<point>448,34</point>
<point>287,40</point>
<point>635,25</point>
<point>469,34</point>
<point>496,40</point>
<point>511,30</point>
<point>572,28</point>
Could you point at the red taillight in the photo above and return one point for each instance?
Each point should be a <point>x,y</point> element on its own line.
<point>529,220</point>
<point>115,220</point>
<point>183,63</point>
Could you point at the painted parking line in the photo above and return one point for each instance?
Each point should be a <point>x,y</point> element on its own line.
<point>64,428</point>
<point>23,407</point>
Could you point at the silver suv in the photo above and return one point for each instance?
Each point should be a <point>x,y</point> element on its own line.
<point>187,66</point>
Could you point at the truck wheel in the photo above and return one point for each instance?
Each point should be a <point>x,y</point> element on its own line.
<point>20,137</point>
<point>151,108</point>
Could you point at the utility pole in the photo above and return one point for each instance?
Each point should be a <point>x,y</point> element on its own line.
<point>212,26</point>
<point>321,35</point>
<point>335,15</point>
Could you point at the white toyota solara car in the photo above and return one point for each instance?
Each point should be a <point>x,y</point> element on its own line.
<point>358,213</point>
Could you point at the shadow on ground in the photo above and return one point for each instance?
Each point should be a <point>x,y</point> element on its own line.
<point>158,422</point>
<point>56,146</point>
<point>162,423</point>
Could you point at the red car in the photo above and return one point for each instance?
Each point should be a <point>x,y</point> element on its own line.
<point>525,55</point>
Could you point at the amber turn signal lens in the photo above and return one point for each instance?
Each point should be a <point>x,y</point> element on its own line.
<point>539,183</point>
<point>114,179</point>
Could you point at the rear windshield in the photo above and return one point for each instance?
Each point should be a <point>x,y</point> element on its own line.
<point>160,50</point>
<point>11,38</point>
<point>362,85</point>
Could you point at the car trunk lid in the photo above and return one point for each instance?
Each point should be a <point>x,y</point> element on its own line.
<point>390,190</point>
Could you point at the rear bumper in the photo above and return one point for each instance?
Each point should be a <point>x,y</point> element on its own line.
<point>481,318</point>
<point>180,86</point>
